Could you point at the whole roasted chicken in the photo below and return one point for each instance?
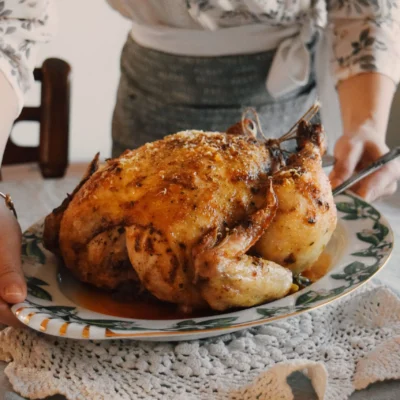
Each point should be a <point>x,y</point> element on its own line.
<point>200,219</point>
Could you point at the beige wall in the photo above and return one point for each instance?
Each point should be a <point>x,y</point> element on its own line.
<point>90,37</point>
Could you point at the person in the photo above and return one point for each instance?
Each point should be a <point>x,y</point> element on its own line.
<point>198,63</point>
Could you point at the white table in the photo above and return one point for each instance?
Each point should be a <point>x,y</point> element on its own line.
<point>34,198</point>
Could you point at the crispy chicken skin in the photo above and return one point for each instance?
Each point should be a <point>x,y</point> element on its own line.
<point>105,260</point>
<point>52,224</point>
<point>227,276</point>
<point>180,215</point>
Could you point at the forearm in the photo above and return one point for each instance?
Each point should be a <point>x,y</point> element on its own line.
<point>23,26</point>
<point>8,111</point>
<point>365,102</point>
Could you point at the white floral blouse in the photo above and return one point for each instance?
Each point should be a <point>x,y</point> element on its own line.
<point>366,33</point>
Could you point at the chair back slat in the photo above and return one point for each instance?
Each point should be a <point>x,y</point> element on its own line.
<point>53,116</point>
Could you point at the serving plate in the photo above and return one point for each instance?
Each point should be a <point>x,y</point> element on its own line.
<point>359,248</point>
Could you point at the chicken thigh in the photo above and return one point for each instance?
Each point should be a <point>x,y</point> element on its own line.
<point>306,215</point>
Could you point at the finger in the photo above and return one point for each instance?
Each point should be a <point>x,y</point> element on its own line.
<point>388,191</point>
<point>347,157</point>
<point>381,183</point>
<point>7,317</point>
<point>391,189</point>
<point>12,283</point>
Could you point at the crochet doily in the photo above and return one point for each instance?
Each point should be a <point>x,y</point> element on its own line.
<point>341,347</point>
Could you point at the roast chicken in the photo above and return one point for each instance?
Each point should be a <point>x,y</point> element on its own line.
<point>199,219</point>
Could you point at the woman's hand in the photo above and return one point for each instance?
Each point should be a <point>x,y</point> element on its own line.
<point>12,282</point>
<point>365,101</point>
<point>355,152</point>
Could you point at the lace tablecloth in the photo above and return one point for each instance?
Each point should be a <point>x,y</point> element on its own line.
<point>342,347</point>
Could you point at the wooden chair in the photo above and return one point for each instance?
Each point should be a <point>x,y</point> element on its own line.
<point>53,116</point>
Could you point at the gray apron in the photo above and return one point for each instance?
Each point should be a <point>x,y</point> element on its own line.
<point>160,94</point>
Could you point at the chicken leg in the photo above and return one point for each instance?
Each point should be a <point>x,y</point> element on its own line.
<point>228,277</point>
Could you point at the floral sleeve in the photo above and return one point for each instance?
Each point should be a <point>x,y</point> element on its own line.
<point>23,24</point>
<point>366,37</point>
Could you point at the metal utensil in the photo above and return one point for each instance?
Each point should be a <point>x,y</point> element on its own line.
<point>380,162</point>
